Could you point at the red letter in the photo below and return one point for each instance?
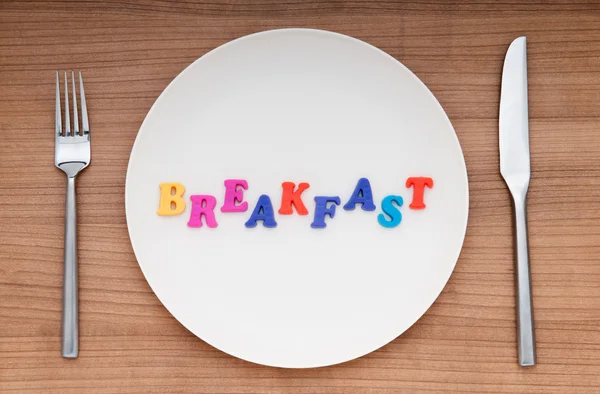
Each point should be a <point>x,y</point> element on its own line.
<point>291,197</point>
<point>202,205</point>
<point>419,184</point>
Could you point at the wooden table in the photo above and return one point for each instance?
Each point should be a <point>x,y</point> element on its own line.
<point>129,51</point>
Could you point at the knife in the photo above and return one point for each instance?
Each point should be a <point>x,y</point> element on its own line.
<point>515,169</point>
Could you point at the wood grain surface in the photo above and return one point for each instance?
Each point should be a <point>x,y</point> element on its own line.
<point>130,50</point>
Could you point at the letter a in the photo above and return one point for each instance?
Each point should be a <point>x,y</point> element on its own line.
<point>362,195</point>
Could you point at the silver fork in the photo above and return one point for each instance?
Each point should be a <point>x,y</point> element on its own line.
<point>71,155</point>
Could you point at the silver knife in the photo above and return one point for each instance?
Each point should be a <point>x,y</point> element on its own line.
<point>515,169</point>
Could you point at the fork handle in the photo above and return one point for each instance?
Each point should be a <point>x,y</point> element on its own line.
<point>70,316</point>
<point>525,328</point>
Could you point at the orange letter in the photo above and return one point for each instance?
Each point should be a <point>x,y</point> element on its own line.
<point>290,197</point>
<point>171,202</point>
<point>419,184</point>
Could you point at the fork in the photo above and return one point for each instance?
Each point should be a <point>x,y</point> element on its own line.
<point>71,155</point>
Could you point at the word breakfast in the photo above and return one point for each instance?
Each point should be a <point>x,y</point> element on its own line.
<point>203,206</point>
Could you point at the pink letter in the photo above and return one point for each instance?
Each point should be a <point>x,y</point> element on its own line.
<point>202,205</point>
<point>234,195</point>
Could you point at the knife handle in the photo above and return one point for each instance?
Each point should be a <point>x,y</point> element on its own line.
<point>525,329</point>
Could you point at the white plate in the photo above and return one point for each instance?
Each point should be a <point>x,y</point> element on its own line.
<point>297,105</point>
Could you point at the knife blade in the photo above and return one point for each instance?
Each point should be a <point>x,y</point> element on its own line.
<point>516,171</point>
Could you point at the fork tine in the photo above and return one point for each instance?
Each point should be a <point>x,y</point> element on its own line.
<point>84,115</point>
<point>75,117</point>
<point>58,118</point>
<point>67,119</point>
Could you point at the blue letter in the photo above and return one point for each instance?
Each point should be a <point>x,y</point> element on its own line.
<point>362,194</point>
<point>263,211</point>
<point>389,209</point>
<point>321,210</point>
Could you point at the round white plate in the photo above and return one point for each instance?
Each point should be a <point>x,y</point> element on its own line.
<point>297,105</point>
